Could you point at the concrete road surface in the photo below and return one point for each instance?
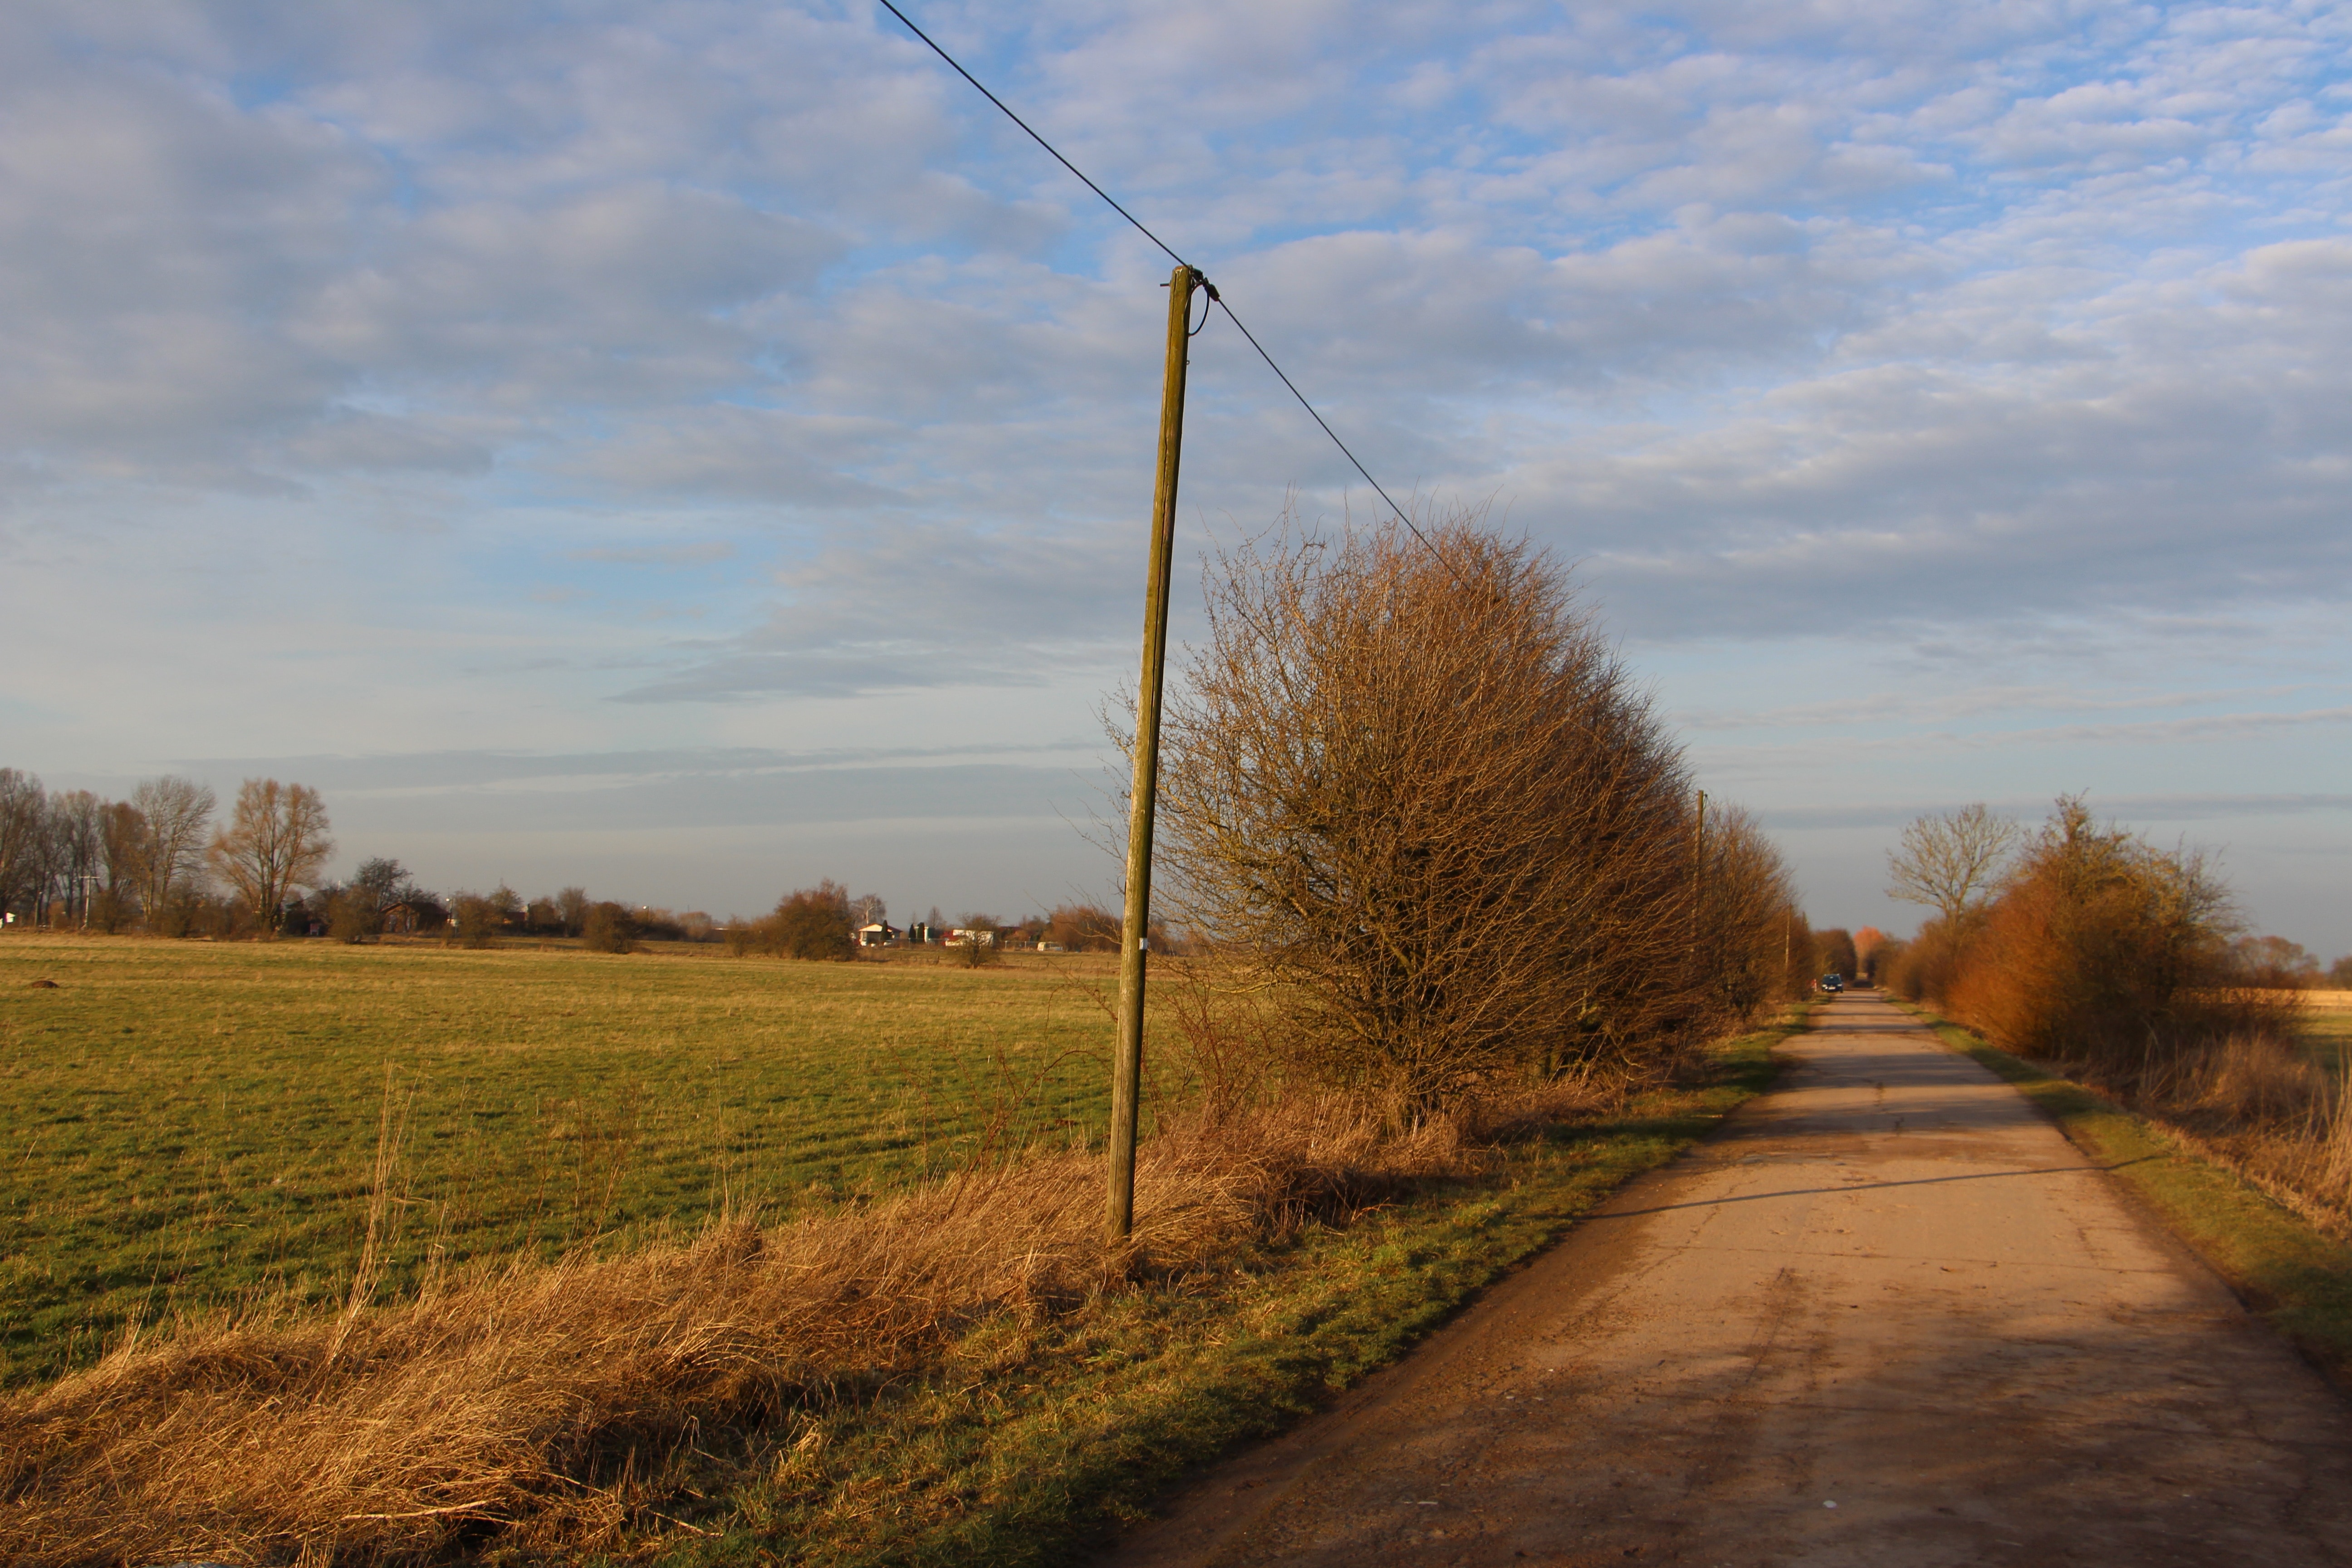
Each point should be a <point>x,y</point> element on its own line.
<point>1889,1316</point>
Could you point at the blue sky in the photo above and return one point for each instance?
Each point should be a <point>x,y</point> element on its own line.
<point>695,448</point>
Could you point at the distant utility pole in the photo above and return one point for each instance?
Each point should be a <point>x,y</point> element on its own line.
<point>1127,1067</point>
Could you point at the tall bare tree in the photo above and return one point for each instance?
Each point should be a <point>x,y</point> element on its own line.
<point>178,813</point>
<point>23,827</point>
<point>572,906</point>
<point>276,841</point>
<point>1948,861</point>
<point>126,844</point>
<point>1747,917</point>
<point>78,846</point>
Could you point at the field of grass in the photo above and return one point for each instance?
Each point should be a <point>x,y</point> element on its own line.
<point>2328,1025</point>
<point>190,1126</point>
<point>962,1373</point>
<point>186,1125</point>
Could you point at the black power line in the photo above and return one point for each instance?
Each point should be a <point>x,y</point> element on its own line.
<point>1041,141</point>
<point>1216,297</point>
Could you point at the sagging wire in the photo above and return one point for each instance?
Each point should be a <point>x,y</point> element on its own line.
<point>1215,299</point>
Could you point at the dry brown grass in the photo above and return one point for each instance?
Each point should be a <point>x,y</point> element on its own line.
<point>2261,1103</point>
<point>541,1406</point>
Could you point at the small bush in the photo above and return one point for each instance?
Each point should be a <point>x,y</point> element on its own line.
<point>816,923</point>
<point>353,916</point>
<point>608,928</point>
<point>474,921</point>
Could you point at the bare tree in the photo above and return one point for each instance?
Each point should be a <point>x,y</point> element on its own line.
<point>385,881</point>
<point>1947,861</point>
<point>125,840</point>
<point>23,827</point>
<point>867,909</point>
<point>276,841</point>
<point>1747,917</point>
<point>571,906</point>
<point>77,846</point>
<point>1084,928</point>
<point>177,811</point>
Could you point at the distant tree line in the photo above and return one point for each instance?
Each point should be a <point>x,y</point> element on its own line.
<point>156,862</point>
<point>159,863</point>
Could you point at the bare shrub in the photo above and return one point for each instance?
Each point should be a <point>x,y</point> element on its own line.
<point>2275,963</point>
<point>354,915</point>
<point>1417,797</point>
<point>1833,953</point>
<point>474,921</point>
<point>2115,960</point>
<point>816,923</point>
<point>2101,947</point>
<point>1747,921</point>
<point>608,928</point>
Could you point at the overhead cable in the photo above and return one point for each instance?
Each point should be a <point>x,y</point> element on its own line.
<point>1216,297</point>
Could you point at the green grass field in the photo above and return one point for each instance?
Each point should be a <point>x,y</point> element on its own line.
<point>2328,1025</point>
<point>191,1125</point>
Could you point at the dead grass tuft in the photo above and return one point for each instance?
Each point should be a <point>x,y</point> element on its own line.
<point>2256,1100</point>
<point>542,1405</point>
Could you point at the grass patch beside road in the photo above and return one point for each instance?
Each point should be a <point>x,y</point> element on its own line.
<point>1024,1446</point>
<point>2296,1276</point>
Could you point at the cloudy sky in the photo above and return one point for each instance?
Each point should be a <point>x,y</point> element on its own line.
<point>695,448</point>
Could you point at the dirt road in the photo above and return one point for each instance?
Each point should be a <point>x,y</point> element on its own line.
<point>1889,1316</point>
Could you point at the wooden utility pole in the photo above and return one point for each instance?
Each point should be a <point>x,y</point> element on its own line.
<point>1127,1067</point>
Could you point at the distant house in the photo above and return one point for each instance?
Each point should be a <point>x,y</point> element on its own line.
<point>881,933</point>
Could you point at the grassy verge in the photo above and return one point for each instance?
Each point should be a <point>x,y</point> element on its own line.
<point>2295,1276</point>
<point>1030,1444</point>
